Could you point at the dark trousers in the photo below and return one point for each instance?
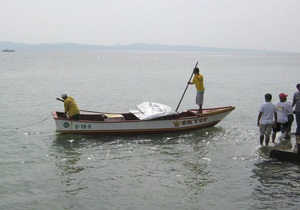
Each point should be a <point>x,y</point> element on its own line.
<point>297,114</point>
<point>75,117</point>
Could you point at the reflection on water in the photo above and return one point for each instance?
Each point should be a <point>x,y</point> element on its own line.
<point>67,159</point>
<point>165,162</point>
<point>187,166</point>
<point>279,184</point>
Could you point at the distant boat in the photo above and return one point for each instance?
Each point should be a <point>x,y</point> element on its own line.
<point>8,50</point>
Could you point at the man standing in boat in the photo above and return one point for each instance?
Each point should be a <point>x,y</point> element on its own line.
<point>198,81</point>
<point>265,119</point>
<point>70,106</point>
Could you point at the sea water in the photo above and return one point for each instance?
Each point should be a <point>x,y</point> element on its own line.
<point>217,168</point>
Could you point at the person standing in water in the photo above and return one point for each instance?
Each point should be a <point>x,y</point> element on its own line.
<point>296,101</point>
<point>283,124</point>
<point>265,118</point>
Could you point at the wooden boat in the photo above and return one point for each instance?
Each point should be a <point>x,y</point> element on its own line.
<point>160,120</point>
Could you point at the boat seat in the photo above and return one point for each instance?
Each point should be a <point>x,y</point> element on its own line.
<point>114,117</point>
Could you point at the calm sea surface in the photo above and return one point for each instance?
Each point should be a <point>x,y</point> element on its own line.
<point>218,168</point>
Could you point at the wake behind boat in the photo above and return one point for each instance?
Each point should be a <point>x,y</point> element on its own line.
<point>147,118</point>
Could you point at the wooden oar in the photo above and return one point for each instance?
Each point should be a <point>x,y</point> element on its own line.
<point>186,87</point>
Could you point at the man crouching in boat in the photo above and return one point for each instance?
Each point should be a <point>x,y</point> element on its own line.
<point>71,107</point>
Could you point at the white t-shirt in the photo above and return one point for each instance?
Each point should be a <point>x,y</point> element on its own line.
<point>267,109</point>
<point>290,110</point>
<point>284,108</point>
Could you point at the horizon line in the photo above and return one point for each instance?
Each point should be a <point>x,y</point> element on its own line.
<point>133,46</point>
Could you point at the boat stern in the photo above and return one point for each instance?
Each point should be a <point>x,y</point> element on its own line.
<point>62,124</point>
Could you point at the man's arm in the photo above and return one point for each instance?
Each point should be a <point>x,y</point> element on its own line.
<point>258,118</point>
<point>275,116</point>
<point>60,99</point>
<point>294,102</point>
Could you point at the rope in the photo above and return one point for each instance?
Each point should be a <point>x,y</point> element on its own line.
<point>35,123</point>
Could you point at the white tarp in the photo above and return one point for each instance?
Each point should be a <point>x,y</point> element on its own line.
<point>152,110</point>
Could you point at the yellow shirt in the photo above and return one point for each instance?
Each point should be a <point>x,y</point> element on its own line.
<point>71,106</point>
<point>198,81</point>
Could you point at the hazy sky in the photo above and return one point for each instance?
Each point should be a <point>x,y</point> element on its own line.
<point>250,24</point>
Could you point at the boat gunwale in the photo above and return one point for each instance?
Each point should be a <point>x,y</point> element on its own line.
<point>190,111</point>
